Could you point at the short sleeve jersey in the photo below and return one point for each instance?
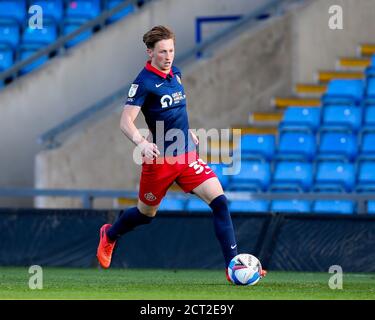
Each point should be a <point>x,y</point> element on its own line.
<point>162,100</point>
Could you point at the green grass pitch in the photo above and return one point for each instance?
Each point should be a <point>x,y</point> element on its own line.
<point>145,284</point>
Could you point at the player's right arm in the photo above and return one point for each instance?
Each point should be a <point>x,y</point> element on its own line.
<point>128,116</point>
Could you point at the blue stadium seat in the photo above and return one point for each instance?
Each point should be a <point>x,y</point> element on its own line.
<point>172,204</point>
<point>44,36</point>
<point>71,25</point>
<point>300,119</point>
<point>28,51</point>
<point>219,168</point>
<point>196,204</point>
<point>253,176</point>
<point>337,146</point>
<point>296,146</point>
<point>52,9</point>
<point>370,90</point>
<point>248,206</point>
<point>292,176</point>
<point>83,9</point>
<point>344,91</point>
<point>369,118</point>
<point>334,176</point>
<point>13,9</point>
<point>123,13</point>
<point>367,146</point>
<point>366,177</point>
<point>341,118</point>
<point>371,207</point>
<point>9,33</point>
<point>333,207</point>
<point>257,146</point>
<point>290,206</point>
<point>370,70</point>
<point>6,58</point>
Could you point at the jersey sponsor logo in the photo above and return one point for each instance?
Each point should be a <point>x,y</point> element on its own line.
<point>166,101</point>
<point>133,90</point>
<point>159,84</point>
<point>149,196</point>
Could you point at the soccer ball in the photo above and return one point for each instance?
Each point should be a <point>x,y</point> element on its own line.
<point>245,269</point>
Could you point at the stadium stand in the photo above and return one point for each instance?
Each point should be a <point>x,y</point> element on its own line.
<point>60,18</point>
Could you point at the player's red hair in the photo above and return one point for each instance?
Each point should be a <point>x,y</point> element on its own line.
<point>156,34</point>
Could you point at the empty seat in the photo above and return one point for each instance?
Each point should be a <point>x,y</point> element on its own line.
<point>344,91</point>
<point>296,145</point>
<point>337,146</point>
<point>172,204</point>
<point>6,58</point>
<point>342,118</point>
<point>83,9</point>
<point>71,25</point>
<point>371,207</point>
<point>28,51</point>
<point>252,176</point>
<point>220,171</point>
<point>334,176</point>
<point>334,207</point>
<point>122,13</point>
<point>369,118</point>
<point>367,146</point>
<point>196,204</point>
<point>290,206</point>
<point>292,176</point>
<point>366,177</point>
<point>370,70</point>
<point>13,9</point>
<point>248,206</point>
<point>44,36</point>
<point>370,90</point>
<point>52,9</point>
<point>9,33</point>
<point>301,119</point>
<point>257,146</point>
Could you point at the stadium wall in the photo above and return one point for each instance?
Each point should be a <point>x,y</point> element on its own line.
<point>242,76</point>
<point>299,242</point>
<point>317,47</point>
<point>87,73</point>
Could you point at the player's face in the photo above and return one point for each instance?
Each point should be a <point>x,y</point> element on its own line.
<point>162,55</point>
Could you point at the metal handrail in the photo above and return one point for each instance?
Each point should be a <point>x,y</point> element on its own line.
<point>61,41</point>
<point>48,138</point>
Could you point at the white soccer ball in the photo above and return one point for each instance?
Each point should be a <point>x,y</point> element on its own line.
<point>245,269</point>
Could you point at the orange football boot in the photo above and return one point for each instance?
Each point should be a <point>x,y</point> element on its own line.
<point>105,247</point>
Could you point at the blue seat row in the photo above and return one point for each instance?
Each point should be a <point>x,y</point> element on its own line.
<point>294,176</point>
<point>263,206</point>
<point>304,146</point>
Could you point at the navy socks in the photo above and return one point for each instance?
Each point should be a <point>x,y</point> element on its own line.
<point>126,222</point>
<point>224,228</point>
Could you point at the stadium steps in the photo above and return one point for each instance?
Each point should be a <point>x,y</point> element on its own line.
<point>282,103</point>
<point>265,118</point>
<point>257,129</point>
<point>354,62</point>
<point>326,76</point>
<point>367,49</point>
<point>310,89</point>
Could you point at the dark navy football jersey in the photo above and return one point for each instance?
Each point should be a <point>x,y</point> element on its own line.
<point>163,103</point>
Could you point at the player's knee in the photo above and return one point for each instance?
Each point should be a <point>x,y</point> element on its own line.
<point>219,202</point>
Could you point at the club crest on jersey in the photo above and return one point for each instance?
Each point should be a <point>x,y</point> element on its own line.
<point>133,90</point>
<point>178,79</point>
